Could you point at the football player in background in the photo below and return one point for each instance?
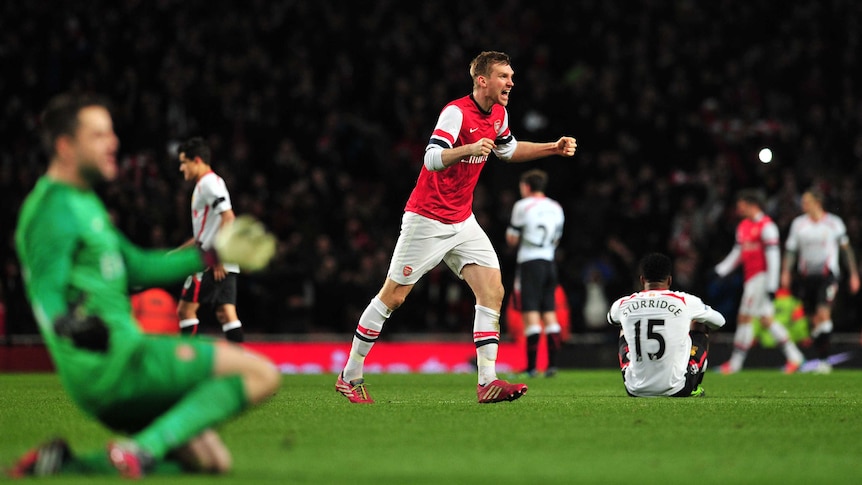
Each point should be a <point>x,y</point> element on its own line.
<point>211,210</point>
<point>664,341</point>
<point>535,228</point>
<point>439,225</point>
<point>812,249</point>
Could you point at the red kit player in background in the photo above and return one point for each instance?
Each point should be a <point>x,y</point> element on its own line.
<point>757,250</point>
<point>439,225</point>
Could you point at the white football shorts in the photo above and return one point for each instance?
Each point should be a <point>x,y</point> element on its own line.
<point>424,242</point>
<point>755,298</point>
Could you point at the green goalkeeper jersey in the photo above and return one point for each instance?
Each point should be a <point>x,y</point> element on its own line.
<point>71,252</point>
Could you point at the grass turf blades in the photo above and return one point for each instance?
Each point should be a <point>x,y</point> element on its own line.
<point>758,426</point>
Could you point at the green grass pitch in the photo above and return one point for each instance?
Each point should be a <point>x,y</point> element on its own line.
<point>759,426</point>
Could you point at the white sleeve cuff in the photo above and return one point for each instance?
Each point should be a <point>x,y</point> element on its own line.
<point>434,159</point>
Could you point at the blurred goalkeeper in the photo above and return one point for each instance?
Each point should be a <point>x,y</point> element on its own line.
<point>165,393</point>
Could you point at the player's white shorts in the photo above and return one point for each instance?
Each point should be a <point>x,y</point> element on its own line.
<point>755,298</point>
<point>424,242</point>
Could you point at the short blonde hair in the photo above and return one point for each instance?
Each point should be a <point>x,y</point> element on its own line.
<point>481,65</point>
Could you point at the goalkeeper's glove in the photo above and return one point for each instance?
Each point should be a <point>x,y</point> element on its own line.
<point>86,331</point>
<point>245,242</point>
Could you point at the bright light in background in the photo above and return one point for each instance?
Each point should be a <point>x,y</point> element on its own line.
<point>765,155</point>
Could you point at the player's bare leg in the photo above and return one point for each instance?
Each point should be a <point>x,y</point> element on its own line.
<point>230,323</point>
<point>791,351</point>
<point>187,312</point>
<point>240,378</point>
<point>487,286</point>
<point>260,378</point>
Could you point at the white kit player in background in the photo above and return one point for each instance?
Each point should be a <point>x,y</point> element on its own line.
<point>535,228</point>
<point>664,342</point>
<point>438,224</point>
<point>211,209</point>
<point>812,249</point>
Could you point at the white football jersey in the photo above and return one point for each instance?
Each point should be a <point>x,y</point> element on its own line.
<point>538,221</point>
<point>209,199</point>
<point>656,325</point>
<point>817,243</point>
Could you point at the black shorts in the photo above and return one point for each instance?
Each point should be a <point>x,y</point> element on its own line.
<point>537,280</point>
<point>815,291</point>
<point>204,289</point>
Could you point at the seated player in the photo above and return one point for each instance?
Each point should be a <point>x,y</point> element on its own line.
<point>664,342</point>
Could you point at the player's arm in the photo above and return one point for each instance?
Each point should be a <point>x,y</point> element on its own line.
<point>188,243</point>
<point>852,267</point>
<point>438,158</point>
<point>703,313</point>
<point>227,218</point>
<point>154,267</point>
<point>730,262</point>
<point>773,263</point>
<point>513,236</point>
<point>772,252</point>
<point>711,318</point>
<point>789,260</point>
<point>526,151</point>
<point>214,193</point>
<point>513,232</point>
<point>560,227</point>
<point>441,152</point>
<point>787,264</point>
<point>614,314</point>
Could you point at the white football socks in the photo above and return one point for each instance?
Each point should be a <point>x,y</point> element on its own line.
<point>782,336</point>
<point>825,326</point>
<point>367,331</point>
<point>486,336</point>
<point>742,340</point>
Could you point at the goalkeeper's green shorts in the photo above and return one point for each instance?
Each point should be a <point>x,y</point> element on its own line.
<point>156,372</point>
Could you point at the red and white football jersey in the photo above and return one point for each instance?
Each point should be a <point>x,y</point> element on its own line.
<point>447,195</point>
<point>753,238</point>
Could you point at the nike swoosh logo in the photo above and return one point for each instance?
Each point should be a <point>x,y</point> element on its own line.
<point>473,129</point>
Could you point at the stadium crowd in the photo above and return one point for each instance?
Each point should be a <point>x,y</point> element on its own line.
<point>319,113</point>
